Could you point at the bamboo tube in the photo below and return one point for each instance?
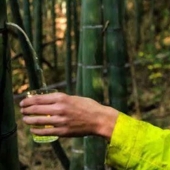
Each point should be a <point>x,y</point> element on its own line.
<point>92,68</point>
<point>54,46</point>
<point>77,155</point>
<point>8,136</point>
<point>37,41</point>
<point>116,54</point>
<point>61,154</point>
<point>68,48</point>
<point>27,19</point>
<point>75,26</point>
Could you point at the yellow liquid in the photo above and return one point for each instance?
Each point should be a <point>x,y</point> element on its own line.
<point>44,139</point>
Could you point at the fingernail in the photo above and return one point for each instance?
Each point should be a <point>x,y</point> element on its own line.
<point>24,118</point>
<point>21,103</point>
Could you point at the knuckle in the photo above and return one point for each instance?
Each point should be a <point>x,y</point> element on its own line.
<point>31,110</point>
<point>62,97</point>
<point>36,122</point>
<point>37,99</point>
<point>64,132</point>
<point>59,109</point>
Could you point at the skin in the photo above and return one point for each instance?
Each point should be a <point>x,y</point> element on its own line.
<point>70,116</point>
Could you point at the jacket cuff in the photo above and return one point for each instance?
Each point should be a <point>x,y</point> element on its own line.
<point>122,141</point>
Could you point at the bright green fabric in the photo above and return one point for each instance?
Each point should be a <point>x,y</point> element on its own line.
<point>137,145</point>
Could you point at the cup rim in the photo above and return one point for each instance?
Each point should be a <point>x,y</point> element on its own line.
<point>40,91</point>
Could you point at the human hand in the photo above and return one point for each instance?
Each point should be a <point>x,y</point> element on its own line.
<point>69,115</point>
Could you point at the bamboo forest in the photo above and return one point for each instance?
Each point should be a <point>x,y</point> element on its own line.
<point>116,52</point>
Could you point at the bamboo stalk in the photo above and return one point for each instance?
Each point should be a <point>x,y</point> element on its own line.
<point>68,48</point>
<point>27,19</point>
<point>54,46</point>
<point>76,25</point>
<point>8,136</point>
<point>92,68</point>
<point>116,54</point>
<point>37,41</point>
<point>77,155</point>
<point>61,154</point>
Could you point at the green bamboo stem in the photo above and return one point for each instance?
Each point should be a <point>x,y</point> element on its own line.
<point>92,69</point>
<point>27,19</point>
<point>76,26</point>
<point>116,55</point>
<point>68,48</point>
<point>8,136</point>
<point>79,84</point>
<point>77,155</point>
<point>54,46</point>
<point>37,41</point>
<point>61,154</point>
<point>27,53</point>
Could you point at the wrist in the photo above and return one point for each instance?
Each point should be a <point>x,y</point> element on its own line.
<point>107,122</point>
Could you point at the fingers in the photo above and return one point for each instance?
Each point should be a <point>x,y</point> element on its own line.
<point>60,131</point>
<point>43,99</point>
<point>52,109</point>
<point>55,121</point>
<point>39,120</point>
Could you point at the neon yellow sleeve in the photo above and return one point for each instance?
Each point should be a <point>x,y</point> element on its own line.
<point>137,145</point>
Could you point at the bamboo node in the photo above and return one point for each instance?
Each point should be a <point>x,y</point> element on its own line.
<point>92,26</point>
<point>90,66</point>
<point>9,134</point>
<point>77,151</point>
